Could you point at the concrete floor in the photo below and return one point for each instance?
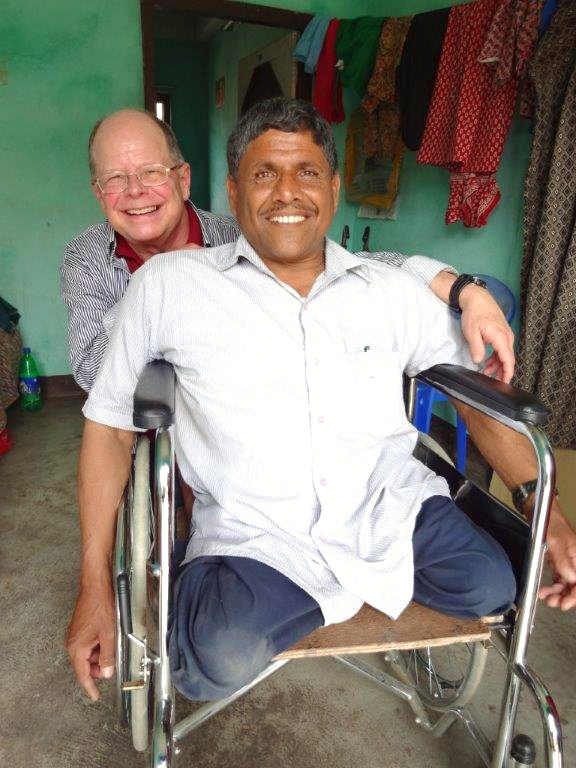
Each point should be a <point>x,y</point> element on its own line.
<point>311,714</point>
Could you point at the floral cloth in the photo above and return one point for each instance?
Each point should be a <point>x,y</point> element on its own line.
<point>510,43</point>
<point>469,116</point>
<point>382,132</point>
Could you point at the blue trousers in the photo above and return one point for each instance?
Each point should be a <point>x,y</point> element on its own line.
<point>232,615</point>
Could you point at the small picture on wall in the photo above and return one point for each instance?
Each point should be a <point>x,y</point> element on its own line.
<point>219,94</point>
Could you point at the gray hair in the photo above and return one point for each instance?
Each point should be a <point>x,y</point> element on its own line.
<point>280,114</point>
<point>174,150</point>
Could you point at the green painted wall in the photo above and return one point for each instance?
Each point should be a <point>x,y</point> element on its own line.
<point>63,64</point>
<point>181,69</point>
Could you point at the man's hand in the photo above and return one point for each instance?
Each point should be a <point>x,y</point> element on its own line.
<point>484,323</point>
<point>561,555</point>
<point>90,639</point>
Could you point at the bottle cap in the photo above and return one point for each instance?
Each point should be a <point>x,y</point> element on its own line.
<point>26,351</point>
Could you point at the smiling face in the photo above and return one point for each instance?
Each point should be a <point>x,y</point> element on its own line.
<point>284,197</point>
<point>150,218</point>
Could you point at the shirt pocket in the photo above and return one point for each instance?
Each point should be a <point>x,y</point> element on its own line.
<point>373,403</point>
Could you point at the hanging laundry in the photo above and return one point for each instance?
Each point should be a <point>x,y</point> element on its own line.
<point>327,96</point>
<point>416,73</point>
<point>309,46</point>
<point>382,138</point>
<point>369,181</point>
<point>356,45</point>
<point>469,116</point>
<point>510,43</point>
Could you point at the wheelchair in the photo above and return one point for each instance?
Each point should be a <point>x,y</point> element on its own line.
<point>431,661</point>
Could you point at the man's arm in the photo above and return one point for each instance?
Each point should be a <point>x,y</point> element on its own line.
<point>104,466</point>
<point>483,322</point>
<point>512,457</point>
<point>91,310</point>
<point>482,319</point>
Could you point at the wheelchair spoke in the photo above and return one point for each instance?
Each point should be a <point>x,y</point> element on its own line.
<point>444,676</point>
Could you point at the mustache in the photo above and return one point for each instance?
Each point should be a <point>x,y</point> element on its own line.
<point>294,208</point>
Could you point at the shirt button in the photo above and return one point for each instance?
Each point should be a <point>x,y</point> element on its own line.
<point>323,481</point>
<point>321,419</point>
<point>316,361</point>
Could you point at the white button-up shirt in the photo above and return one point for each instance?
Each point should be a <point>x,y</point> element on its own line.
<point>290,423</point>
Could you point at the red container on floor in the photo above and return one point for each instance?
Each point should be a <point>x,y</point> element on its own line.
<point>5,441</point>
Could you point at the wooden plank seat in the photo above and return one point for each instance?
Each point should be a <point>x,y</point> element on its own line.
<point>370,631</point>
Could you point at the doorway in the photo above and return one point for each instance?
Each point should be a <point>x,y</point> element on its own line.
<point>205,63</point>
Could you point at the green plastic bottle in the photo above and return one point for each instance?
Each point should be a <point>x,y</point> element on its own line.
<point>30,397</point>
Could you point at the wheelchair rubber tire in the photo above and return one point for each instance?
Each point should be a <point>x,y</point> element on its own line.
<point>140,549</point>
<point>446,676</point>
<point>122,697</point>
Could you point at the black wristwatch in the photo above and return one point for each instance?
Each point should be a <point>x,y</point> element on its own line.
<point>461,282</point>
<point>522,493</point>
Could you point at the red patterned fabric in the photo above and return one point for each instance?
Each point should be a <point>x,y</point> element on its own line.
<point>469,116</point>
<point>473,197</point>
<point>510,43</point>
<point>327,96</point>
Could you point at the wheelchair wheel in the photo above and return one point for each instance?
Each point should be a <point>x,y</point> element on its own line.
<point>122,696</point>
<point>446,676</point>
<point>140,527</point>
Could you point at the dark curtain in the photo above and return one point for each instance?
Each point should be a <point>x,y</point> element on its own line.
<point>263,85</point>
<point>547,354</point>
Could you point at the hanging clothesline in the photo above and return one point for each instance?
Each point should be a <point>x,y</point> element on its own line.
<point>443,82</point>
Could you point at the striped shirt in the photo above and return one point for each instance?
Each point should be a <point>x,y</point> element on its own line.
<point>290,424</point>
<point>94,279</point>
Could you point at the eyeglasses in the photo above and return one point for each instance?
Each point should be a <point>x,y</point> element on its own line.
<point>147,175</point>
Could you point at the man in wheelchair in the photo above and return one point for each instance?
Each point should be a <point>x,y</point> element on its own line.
<point>290,428</point>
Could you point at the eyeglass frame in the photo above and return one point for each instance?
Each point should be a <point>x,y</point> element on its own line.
<point>135,173</point>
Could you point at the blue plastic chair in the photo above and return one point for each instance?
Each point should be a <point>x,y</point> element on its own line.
<point>427,396</point>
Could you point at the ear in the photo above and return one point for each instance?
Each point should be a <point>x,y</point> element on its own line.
<point>97,192</point>
<point>184,176</point>
<point>232,189</point>
<point>335,183</point>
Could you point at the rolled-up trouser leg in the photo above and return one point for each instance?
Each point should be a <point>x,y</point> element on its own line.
<point>231,616</point>
<point>459,569</point>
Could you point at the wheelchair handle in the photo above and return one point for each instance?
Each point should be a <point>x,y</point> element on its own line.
<point>123,585</point>
<point>154,396</point>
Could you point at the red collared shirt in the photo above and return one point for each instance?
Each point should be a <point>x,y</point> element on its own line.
<point>133,261</point>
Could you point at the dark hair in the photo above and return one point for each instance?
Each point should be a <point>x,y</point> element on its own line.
<point>280,114</point>
<point>174,150</point>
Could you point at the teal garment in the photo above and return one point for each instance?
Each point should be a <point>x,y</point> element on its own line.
<point>357,45</point>
<point>9,316</point>
<point>311,42</point>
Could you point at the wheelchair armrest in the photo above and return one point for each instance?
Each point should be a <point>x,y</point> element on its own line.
<point>492,397</point>
<point>154,396</point>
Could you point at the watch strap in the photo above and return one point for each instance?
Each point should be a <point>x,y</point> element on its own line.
<point>522,493</point>
<point>457,286</point>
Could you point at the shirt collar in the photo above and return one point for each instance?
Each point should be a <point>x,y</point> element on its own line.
<point>338,260</point>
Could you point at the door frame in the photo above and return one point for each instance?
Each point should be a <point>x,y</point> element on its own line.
<point>220,9</point>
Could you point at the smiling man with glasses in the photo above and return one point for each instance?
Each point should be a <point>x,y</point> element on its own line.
<point>142,183</point>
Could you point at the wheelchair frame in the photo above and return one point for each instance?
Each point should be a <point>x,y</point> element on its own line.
<point>154,409</point>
